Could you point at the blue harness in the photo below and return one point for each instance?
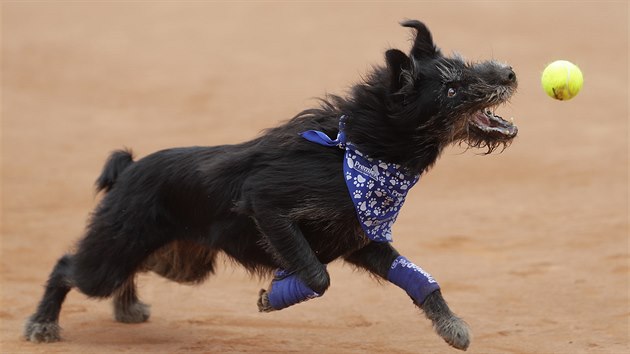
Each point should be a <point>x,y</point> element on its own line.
<point>377,188</point>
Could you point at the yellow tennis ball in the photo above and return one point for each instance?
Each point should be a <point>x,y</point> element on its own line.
<point>562,80</point>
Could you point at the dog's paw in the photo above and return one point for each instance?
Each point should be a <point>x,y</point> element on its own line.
<point>42,332</point>
<point>263,302</point>
<point>136,312</point>
<point>454,331</point>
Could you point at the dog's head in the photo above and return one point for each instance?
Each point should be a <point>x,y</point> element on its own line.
<point>450,97</point>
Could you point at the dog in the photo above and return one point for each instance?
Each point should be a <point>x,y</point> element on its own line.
<point>282,202</point>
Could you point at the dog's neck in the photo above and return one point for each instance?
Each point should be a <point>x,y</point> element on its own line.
<point>416,150</point>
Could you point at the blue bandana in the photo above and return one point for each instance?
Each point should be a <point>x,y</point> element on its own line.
<point>377,188</point>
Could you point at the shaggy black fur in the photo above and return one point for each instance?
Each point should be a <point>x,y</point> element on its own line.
<point>280,200</point>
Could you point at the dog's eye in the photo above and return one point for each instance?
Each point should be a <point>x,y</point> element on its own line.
<point>451,93</point>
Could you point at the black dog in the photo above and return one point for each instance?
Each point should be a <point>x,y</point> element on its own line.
<point>280,200</point>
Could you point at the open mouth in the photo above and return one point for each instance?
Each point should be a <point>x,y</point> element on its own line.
<point>492,125</point>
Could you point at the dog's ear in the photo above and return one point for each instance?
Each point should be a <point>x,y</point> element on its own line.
<point>423,46</point>
<point>397,61</point>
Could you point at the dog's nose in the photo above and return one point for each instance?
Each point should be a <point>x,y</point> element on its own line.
<point>509,76</point>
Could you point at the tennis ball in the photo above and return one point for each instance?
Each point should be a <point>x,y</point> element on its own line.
<point>562,80</point>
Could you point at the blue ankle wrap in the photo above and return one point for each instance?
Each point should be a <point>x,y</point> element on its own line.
<point>287,289</point>
<point>414,280</point>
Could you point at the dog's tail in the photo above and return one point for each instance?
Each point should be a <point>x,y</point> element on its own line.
<point>118,161</point>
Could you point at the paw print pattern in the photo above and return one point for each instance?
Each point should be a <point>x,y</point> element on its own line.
<point>359,181</point>
<point>378,190</point>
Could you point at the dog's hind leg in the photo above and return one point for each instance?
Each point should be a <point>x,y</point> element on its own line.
<point>111,253</point>
<point>43,325</point>
<point>127,307</point>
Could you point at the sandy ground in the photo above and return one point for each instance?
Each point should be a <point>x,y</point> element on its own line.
<point>530,246</point>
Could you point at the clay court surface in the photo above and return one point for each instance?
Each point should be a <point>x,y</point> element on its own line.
<point>529,246</point>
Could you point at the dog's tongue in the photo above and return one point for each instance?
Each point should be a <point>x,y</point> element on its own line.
<point>490,122</point>
<point>483,119</point>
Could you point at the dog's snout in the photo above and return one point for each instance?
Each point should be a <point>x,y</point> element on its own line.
<point>495,73</point>
<point>508,76</point>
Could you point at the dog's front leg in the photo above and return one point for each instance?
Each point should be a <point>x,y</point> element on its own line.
<point>302,275</point>
<point>384,261</point>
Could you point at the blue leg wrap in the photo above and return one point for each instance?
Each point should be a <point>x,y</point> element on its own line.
<point>414,280</point>
<point>287,289</point>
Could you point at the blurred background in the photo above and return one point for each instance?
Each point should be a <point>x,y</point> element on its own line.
<point>530,246</point>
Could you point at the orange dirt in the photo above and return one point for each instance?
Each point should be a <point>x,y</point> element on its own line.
<point>530,246</point>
